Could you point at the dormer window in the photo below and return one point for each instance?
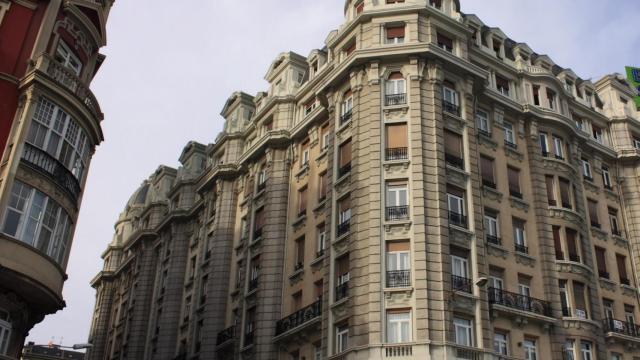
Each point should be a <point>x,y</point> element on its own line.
<point>502,85</point>
<point>568,85</point>
<point>436,4</point>
<point>496,48</point>
<point>359,8</point>
<point>309,107</point>
<point>67,58</point>
<point>587,97</point>
<point>395,34</point>
<point>445,43</point>
<point>551,98</point>
<point>349,49</point>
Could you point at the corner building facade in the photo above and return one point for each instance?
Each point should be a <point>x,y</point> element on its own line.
<point>49,128</point>
<point>422,187</point>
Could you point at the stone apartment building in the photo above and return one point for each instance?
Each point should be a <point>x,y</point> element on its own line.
<point>50,125</point>
<point>422,187</point>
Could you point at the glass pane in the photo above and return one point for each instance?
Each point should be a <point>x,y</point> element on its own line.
<point>11,222</point>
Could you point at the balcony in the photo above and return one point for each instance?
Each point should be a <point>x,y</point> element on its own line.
<point>457,219</point>
<point>346,117</point>
<point>393,154</point>
<point>257,233</point>
<point>492,239</point>
<point>450,108</point>
<point>66,79</point>
<point>343,228</point>
<point>520,302</point>
<point>489,183</point>
<point>262,186</point>
<point>51,167</point>
<point>456,162</point>
<point>619,327</point>
<point>225,335</point>
<point>511,145</point>
<point>344,170</point>
<point>574,257</point>
<point>603,274</point>
<point>395,99</point>
<point>394,213</point>
<point>342,291</point>
<point>521,249</point>
<point>299,318</point>
<point>484,132</point>
<point>398,278</point>
<point>515,194</point>
<point>625,281</point>
<point>459,283</point>
<point>253,284</point>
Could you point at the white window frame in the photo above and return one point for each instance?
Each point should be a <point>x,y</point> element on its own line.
<point>5,333</point>
<point>520,234</point>
<point>599,136</point>
<point>501,343</point>
<point>317,352</point>
<point>322,240</point>
<point>459,267</point>
<point>482,120</point>
<point>564,294</point>
<point>608,309</point>
<point>395,87</point>
<point>558,145</point>
<point>530,349</point>
<point>399,327</point>
<point>636,143</point>
<point>606,177</point>
<point>344,216</point>
<point>509,133</point>
<point>629,317</point>
<point>570,350</point>
<point>458,201</point>
<point>347,105</point>
<point>325,140</point>
<point>524,290</point>
<point>492,225</point>
<point>262,176</point>
<point>68,56</point>
<point>397,195</point>
<point>450,95</point>
<point>613,220</point>
<point>544,143</point>
<point>586,350</point>
<point>398,260</point>
<point>342,338</point>
<point>305,157</point>
<point>496,282</point>
<point>463,327</point>
<point>586,169</point>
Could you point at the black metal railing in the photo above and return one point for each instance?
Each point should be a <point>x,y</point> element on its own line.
<point>396,154</point>
<point>342,291</point>
<point>492,239</point>
<point>454,161</point>
<point>257,233</point>
<point>344,170</point>
<point>484,132</point>
<point>603,274</point>
<point>450,108</point>
<point>320,253</point>
<point>40,160</point>
<point>625,281</point>
<point>511,145</point>
<point>253,284</point>
<point>588,178</point>
<point>457,219</point>
<point>397,212</point>
<point>519,302</point>
<point>516,194</point>
<point>621,327</point>
<point>574,257</point>
<point>262,186</point>
<point>343,228</point>
<point>225,335</point>
<point>398,278</point>
<point>489,183</point>
<point>299,317</point>
<point>545,154</point>
<point>248,337</point>
<point>459,283</point>
<point>346,117</point>
<point>395,99</point>
<point>521,248</point>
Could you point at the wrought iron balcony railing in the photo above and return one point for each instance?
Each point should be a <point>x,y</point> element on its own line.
<point>397,212</point>
<point>41,160</point>
<point>519,302</point>
<point>343,228</point>
<point>459,283</point>
<point>299,317</point>
<point>344,170</point>
<point>225,335</point>
<point>457,219</point>
<point>253,284</point>
<point>257,233</point>
<point>450,108</point>
<point>346,117</point>
<point>492,239</point>
<point>342,291</point>
<point>398,278</point>
<point>522,249</point>
<point>454,161</point>
<point>621,327</point>
<point>262,186</point>
<point>395,99</point>
<point>396,154</point>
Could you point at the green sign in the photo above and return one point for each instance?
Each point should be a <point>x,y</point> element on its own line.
<point>633,75</point>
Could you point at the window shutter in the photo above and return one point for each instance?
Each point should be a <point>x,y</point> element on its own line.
<point>397,246</point>
<point>345,153</point>
<point>452,144</point>
<point>303,200</point>
<point>565,192</point>
<point>601,259</point>
<point>557,243</point>
<point>486,169</point>
<point>514,179</point>
<point>578,295</point>
<point>259,219</point>
<point>622,267</point>
<point>593,211</point>
<point>342,265</point>
<point>395,32</point>
<point>397,136</point>
<point>571,242</point>
<point>551,197</point>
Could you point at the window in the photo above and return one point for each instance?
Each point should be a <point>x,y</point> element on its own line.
<point>346,109</point>
<point>606,178</point>
<point>629,316</point>
<point>502,85</point>
<point>455,199</point>
<point>359,7</point>
<point>463,331</point>
<point>436,4</point>
<point>67,58</point>
<point>551,98</point>
<point>608,309</point>
<point>342,338</point>
<point>55,132</point>
<point>249,327</point>
<point>621,261</point>
<point>254,272</point>
<point>514,182</point>
<point>397,201</point>
<point>613,222</point>
<point>395,34</point>
<point>587,98</point>
<point>322,240</point>
<point>34,218</point>
<point>636,143</point>
<point>492,229</point>
<point>326,135</point>
<point>509,134</point>
<point>500,343</point>
<point>530,349</point>
<point>598,134</point>
<point>565,193</point>
<point>459,267</point>
<point>558,147</point>
<point>586,169</point>
<point>397,142</point>
<point>551,196</point>
<point>536,95</point>
<point>544,144</point>
<point>304,150</point>
<point>204,286</point>
<point>299,260</point>
<point>482,120</point>
<point>601,262</point>
<point>323,186</point>
<point>262,176</point>
<point>497,44</point>
<point>398,327</point>
<point>519,234</point>
<point>344,208</point>
<point>450,95</point>
<point>453,149</point>
<point>395,90</point>
<point>302,201</point>
<point>569,350</point>
<point>398,264</point>
<point>593,213</point>
<point>317,351</point>
<point>586,350</point>
<point>568,85</point>
<point>5,331</point>
<point>310,106</point>
<point>259,223</point>
<point>487,172</point>
<point>444,42</point>
<point>496,279</point>
<point>580,300</point>
<point>345,158</point>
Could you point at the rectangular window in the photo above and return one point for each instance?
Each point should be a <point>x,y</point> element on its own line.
<point>398,327</point>
<point>397,142</point>
<point>551,98</point>
<point>601,262</point>
<point>65,56</point>
<point>345,158</point>
<point>395,34</point>
<point>304,150</point>
<point>608,309</point>
<point>395,85</point>
<point>459,267</point>
<point>536,95</point>
<point>572,244</point>
<point>487,172</point>
<point>636,143</point>
<point>598,133</point>
<point>621,260</point>
<point>502,85</point>
<point>444,42</point>
<point>509,134</point>
<point>463,331</point>
<point>519,232</point>
<point>342,338</point>
<point>453,149</point>
<point>557,243</point>
<point>344,210</point>
<point>302,201</point>
<point>450,95</point>
<point>551,197</point>
<point>323,186</point>
<point>565,193</point>
<point>593,213</point>
<point>606,178</point>
<point>569,350</point>
<point>492,227</point>
<point>299,260</point>
<point>5,333</point>
<point>326,134</point>
<point>482,120</point>
<point>322,240</point>
<point>514,182</point>
<point>613,222</point>
<point>530,349</point>
<point>397,201</point>
<point>579,300</point>
<point>398,264</point>
<point>500,343</point>
<point>455,199</point>
<point>564,298</point>
<point>586,350</point>
<point>558,147</point>
<point>347,107</point>
<point>586,170</point>
<point>544,144</point>
<point>629,312</point>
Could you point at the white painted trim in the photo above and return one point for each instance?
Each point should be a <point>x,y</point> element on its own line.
<point>4,7</point>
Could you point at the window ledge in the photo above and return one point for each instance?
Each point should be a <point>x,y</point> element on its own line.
<point>497,250</point>
<point>322,155</point>
<point>629,290</point>
<point>519,203</point>
<point>389,163</point>
<point>341,179</point>
<point>259,194</point>
<point>317,260</point>
<point>620,241</point>
<point>302,172</point>
<point>296,276</point>
<point>525,259</point>
<point>404,289</point>
<point>513,153</point>
<point>299,220</point>
<point>599,233</point>
<point>320,205</point>
<point>491,193</point>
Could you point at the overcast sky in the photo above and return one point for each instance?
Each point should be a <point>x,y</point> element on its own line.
<point>171,66</point>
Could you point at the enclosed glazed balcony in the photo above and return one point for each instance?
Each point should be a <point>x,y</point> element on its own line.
<point>300,322</point>
<point>49,166</point>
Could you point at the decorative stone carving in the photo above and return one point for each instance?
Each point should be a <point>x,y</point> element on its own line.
<point>374,72</point>
<point>621,242</point>
<point>457,177</point>
<point>435,74</point>
<point>460,237</point>
<point>566,214</point>
<point>513,153</point>
<point>487,142</point>
<point>607,284</point>
<point>296,277</point>
<point>581,324</point>
<point>397,229</point>
<point>497,250</point>
<point>525,259</point>
<point>398,298</point>
<point>589,186</point>
<point>574,268</point>
<point>463,302</point>
<point>559,165</point>
<point>491,193</point>
<point>600,234</point>
<point>628,290</point>
<point>340,309</point>
<point>454,123</point>
<point>519,204</point>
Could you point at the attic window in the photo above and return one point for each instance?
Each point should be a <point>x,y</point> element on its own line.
<point>436,4</point>
<point>349,49</point>
<point>359,7</point>
<point>568,84</point>
<point>496,48</point>
<point>445,43</point>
